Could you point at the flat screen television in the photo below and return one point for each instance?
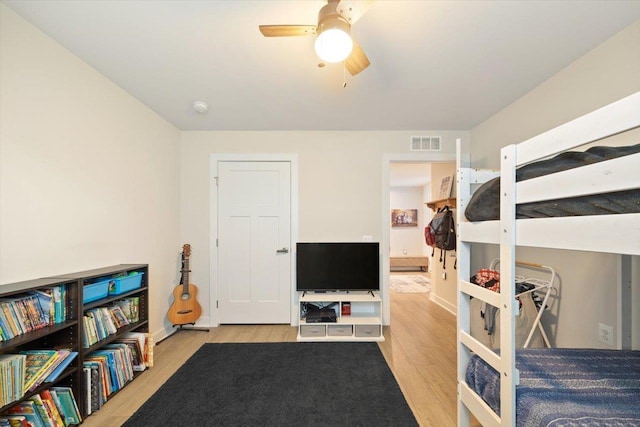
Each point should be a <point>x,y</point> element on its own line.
<point>350,266</point>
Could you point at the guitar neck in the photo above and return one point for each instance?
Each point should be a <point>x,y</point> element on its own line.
<point>185,274</point>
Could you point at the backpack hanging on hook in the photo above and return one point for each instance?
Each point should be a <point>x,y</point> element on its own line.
<point>441,233</point>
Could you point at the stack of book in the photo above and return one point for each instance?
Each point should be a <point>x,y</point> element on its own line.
<point>45,366</point>
<point>12,370</point>
<point>131,308</point>
<point>53,407</point>
<point>34,310</point>
<point>110,368</point>
<point>26,371</point>
<point>100,322</point>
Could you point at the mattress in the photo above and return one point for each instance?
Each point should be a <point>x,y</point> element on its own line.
<point>567,387</point>
<point>485,202</point>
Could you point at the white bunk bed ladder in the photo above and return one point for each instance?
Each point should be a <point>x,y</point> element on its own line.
<point>509,375</point>
<point>466,177</point>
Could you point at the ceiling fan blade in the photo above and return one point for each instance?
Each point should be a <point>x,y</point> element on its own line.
<point>357,60</point>
<point>287,30</point>
<point>352,10</point>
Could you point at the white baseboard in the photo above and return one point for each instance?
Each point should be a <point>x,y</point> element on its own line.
<point>167,331</point>
<point>444,304</point>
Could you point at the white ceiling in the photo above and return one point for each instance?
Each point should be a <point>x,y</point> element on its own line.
<point>437,65</point>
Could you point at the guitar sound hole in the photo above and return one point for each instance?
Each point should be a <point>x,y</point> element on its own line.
<point>185,296</point>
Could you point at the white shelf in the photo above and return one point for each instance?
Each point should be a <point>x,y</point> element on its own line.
<point>364,323</point>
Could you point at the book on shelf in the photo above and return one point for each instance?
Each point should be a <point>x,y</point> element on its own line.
<point>95,317</point>
<point>136,342</point>
<point>95,393</point>
<point>35,311</point>
<point>148,350</point>
<point>108,359</point>
<point>30,311</point>
<point>101,322</point>
<point>105,318</point>
<point>86,378</point>
<point>44,412</point>
<point>24,313</point>
<point>11,318</point>
<point>68,405</point>
<point>130,308</point>
<point>123,356</point>
<point>90,334</point>
<point>53,399</point>
<point>118,316</point>
<point>46,303</point>
<point>101,361</point>
<point>12,373</point>
<point>52,301</point>
<point>61,366</point>
<point>27,409</point>
<point>37,363</point>
<point>13,310</point>
<point>40,364</point>
<point>51,407</point>
<point>14,421</point>
<point>5,329</point>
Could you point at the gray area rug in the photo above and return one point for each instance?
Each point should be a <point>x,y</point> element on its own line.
<point>279,384</point>
<point>409,283</point>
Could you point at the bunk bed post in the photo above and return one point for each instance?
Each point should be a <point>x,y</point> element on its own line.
<point>463,249</point>
<point>625,307</point>
<point>508,304</point>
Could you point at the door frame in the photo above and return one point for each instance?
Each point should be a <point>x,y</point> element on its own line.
<point>387,159</point>
<point>213,223</point>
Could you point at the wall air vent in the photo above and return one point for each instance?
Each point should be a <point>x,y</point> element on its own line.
<point>425,143</point>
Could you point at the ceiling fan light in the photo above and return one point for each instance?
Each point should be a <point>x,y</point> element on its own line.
<point>333,45</point>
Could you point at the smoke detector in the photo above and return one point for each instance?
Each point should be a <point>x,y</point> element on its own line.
<point>200,107</point>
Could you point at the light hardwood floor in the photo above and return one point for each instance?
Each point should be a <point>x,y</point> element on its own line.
<point>419,347</point>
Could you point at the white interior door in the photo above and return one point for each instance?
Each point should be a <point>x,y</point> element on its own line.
<point>254,242</point>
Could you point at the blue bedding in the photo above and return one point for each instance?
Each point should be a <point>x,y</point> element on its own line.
<point>567,387</point>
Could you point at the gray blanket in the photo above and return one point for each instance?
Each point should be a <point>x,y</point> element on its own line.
<point>485,202</point>
<point>567,387</point>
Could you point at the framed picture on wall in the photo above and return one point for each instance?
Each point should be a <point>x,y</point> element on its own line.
<point>404,217</point>
<point>446,185</point>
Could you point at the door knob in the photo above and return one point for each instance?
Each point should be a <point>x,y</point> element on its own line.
<point>283,251</point>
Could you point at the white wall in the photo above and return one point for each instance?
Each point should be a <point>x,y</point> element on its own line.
<point>607,73</point>
<point>340,193</point>
<point>88,175</point>
<point>408,241</point>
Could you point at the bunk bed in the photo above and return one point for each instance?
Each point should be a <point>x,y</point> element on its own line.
<point>504,395</point>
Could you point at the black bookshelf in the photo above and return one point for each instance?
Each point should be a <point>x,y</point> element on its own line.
<point>69,332</point>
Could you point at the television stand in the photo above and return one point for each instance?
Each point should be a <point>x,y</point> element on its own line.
<point>362,322</point>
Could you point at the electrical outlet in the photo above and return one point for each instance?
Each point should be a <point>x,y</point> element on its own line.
<point>367,238</point>
<point>444,275</point>
<point>605,333</point>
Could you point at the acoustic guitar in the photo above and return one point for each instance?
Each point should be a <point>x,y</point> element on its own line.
<point>185,308</point>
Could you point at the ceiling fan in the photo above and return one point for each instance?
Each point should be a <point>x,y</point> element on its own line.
<point>333,42</point>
